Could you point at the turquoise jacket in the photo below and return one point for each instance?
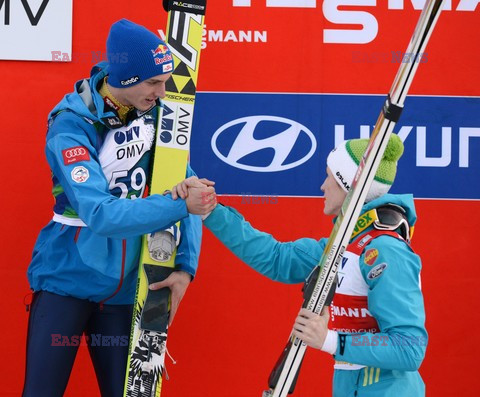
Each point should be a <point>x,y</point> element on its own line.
<point>394,299</point>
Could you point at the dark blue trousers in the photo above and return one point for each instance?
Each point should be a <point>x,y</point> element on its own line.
<point>57,326</point>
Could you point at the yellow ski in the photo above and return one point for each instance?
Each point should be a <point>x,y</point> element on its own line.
<point>148,337</point>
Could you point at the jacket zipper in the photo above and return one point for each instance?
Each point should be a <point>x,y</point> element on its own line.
<point>77,233</point>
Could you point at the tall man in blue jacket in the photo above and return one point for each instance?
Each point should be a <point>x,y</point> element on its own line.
<point>376,332</point>
<point>84,266</point>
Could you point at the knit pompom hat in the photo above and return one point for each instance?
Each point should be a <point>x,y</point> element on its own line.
<point>343,162</point>
<point>135,54</point>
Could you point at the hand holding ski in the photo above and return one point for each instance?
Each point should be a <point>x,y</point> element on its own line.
<point>312,328</point>
<point>177,283</point>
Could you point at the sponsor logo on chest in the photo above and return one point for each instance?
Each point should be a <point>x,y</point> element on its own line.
<point>129,143</point>
<point>349,309</point>
<point>350,313</point>
<point>123,147</point>
<point>350,279</point>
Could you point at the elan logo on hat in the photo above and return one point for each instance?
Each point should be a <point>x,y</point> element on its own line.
<point>342,181</point>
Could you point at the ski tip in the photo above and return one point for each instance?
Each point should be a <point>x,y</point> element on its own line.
<point>193,6</point>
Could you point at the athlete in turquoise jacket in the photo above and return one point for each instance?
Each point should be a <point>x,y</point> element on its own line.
<point>85,262</point>
<point>377,334</point>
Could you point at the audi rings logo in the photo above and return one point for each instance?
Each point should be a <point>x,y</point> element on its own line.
<point>263,143</point>
<point>78,151</point>
<point>75,154</point>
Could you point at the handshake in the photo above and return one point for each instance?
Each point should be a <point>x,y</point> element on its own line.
<point>199,195</point>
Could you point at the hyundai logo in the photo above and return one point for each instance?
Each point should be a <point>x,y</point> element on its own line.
<point>263,143</point>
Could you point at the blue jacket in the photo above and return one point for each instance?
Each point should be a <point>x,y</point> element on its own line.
<point>394,299</point>
<point>90,250</point>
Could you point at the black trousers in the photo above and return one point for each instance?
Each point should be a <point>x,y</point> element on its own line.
<point>57,326</point>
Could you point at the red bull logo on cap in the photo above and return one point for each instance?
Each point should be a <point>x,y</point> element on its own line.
<point>160,50</point>
<point>162,54</point>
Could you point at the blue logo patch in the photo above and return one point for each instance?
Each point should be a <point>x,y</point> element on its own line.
<point>376,271</point>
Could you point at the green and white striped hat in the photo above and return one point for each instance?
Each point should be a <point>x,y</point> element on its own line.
<point>343,163</point>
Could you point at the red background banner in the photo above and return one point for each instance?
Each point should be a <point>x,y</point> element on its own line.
<point>233,323</point>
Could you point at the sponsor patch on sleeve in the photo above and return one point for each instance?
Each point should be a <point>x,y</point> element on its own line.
<point>75,154</point>
<point>376,271</point>
<point>371,256</point>
<point>80,174</point>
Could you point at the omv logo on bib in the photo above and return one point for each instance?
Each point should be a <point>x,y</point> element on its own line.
<point>263,143</point>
